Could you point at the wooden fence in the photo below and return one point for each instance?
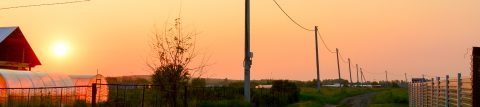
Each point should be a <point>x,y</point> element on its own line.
<point>441,91</point>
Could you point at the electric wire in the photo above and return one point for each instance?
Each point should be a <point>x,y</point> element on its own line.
<point>43,4</point>
<point>324,43</point>
<point>292,18</point>
<point>374,73</point>
<point>319,34</point>
<point>342,58</point>
<point>299,25</point>
<point>393,73</point>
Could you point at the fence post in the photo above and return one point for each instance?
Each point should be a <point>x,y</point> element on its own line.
<point>94,94</point>
<point>409,86</point>
<point>143,95</point>
<point>446,92</point>
<point>438,91</point>
<point>459,90</point>
<point>421,92</point>
<point>432,92</point>
<point>61,95</point>
<point>28,97</point>
<point>414,95</point>
<point>417,94</point>
<point>475,76</point>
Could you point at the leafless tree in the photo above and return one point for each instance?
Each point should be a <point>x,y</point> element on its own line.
<point>173,52</point>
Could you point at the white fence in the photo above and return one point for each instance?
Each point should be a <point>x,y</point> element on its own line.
<point>437,92</point>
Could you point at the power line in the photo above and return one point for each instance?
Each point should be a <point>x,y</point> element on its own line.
<point>43,4</point>
<point>324,44</point>
<point>342,58</point>
<point>394,73</point>
<point>374,73</point>
<point>318,32</point>
<point>292,18</point>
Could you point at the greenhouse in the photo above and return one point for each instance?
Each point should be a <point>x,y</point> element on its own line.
<point>88,80</point>
<point>27,85</point>
<point>20,86</point>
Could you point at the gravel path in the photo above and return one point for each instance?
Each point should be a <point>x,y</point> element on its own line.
<point>355,101</point>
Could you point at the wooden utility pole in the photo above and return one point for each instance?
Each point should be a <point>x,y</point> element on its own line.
<point>386,75</point>
<point>357,73</point>
<point>247,60</point>
<point>363,76</point>
<point>316,54</point>
<point>338,67</point>
<point>386,78</point>
<point>406,80</point>
<point>362,80</point>
<point>350,70</point>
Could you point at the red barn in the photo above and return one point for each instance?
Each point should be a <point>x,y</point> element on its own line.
<point>15,52</point>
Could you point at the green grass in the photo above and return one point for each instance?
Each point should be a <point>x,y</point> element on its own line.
<point>388,105</point>
<point>225,103</point>
<point>395,97</point>
<point>311,97</point>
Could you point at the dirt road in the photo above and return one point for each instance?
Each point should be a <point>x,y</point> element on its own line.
<point>355,101</point>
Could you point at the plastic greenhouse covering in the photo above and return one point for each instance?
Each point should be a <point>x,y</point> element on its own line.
<point>15,83</point>
<point>88,80</point>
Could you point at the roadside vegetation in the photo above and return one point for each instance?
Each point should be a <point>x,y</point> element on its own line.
<point>310,97</point>
<point>393,97</point>
<point>229,93</point>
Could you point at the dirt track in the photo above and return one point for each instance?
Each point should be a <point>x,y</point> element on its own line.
<point>355,101</point>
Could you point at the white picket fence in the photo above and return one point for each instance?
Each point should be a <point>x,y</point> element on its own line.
<point>437,92</point>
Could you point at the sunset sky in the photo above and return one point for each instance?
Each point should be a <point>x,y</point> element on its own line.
<point>416,37</point>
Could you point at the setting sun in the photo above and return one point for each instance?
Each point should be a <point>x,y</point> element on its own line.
<point>311,53</point>
<point>60,49</point>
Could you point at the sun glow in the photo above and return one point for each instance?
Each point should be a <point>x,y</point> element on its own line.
<point>60,49</point>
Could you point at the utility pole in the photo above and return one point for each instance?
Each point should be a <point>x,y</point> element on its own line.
<point>357,73</point>
<point>338,67</point>
<point>406,80</point>
<point>364,80</point>
<point>361,76</point>
<point>386,75</point>
<point>316,54</point>
<point>350,70</point>
<point>247,60</point>
<point>386,78</point>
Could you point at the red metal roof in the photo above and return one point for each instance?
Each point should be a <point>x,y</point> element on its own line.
<point>14,48</point>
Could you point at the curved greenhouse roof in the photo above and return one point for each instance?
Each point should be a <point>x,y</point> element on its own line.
<point>26,83</point>
<point>27,79</point>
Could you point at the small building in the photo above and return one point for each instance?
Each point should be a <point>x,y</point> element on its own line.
<point>263,86</point>
<point>334,85</point>
<point>16,53</point>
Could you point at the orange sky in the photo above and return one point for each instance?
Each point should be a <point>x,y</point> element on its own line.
<point>413,36</point>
